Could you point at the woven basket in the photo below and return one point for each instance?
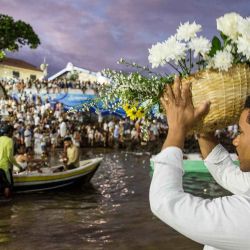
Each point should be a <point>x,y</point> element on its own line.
<point>227,92</point>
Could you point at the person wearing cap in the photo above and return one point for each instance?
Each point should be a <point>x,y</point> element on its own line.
<point>7,160</point>
<point>71,154</point>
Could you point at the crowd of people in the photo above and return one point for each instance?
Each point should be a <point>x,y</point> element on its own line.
<point>41,127</point>
<point>53,86</point>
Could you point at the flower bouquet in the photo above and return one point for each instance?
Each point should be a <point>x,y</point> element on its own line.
<point>218,69</point>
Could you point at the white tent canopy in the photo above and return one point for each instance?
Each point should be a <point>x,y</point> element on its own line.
<point>69,68</point>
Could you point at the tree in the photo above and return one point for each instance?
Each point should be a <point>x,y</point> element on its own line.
<point>15,34</point>
<point>3,92</point>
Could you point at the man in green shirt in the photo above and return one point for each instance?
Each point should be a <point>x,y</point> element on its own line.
<point>7,160</point>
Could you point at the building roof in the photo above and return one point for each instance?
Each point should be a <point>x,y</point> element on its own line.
<point>18,63</point>
<point>70,67</point>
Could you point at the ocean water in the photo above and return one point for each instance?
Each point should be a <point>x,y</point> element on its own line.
<point>110,213</point>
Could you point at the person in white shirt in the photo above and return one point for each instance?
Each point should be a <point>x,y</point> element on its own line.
<point>219,223</point>
<point>111,125</point>
<point>36,120</point>
<point>154,128</point>
<point>37,141</point>
<point>30,97</point>
<point>53,139</point>
<point>90,133</point>
<point>63,129</point>
<point>100,119</point>
<point>47,105</point>
<point>43,109</point>
<point>116,133</point>
<point>105,126</point>
<point>28,138</point>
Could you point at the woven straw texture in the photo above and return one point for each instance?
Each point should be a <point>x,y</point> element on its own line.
<point>227,92</point>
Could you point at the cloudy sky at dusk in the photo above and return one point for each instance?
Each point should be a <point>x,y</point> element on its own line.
<point>94,34</point>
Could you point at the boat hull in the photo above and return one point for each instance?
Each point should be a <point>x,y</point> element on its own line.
<point>48,181</point>
<point>194,163</point>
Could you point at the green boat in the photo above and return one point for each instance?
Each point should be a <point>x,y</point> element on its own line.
<point>195,164</point>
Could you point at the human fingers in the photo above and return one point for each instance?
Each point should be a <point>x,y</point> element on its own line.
<point>202,109</point>
<point>186,93</point>
<point>170,93</point>
<point>177,88</point>
<point>164,103</point>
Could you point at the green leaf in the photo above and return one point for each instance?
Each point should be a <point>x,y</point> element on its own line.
<point>15,34</point>
<point>216,46</point>
<point>201,62</point>
<point>2,54</point>
<point>223,36</point>
<point>216,43</point>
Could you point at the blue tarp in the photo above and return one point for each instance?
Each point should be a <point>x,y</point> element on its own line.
<point>69,100</point>
<point>76,100</point>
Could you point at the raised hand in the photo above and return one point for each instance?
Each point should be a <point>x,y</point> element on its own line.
<point>180,111</point>
<point>177,101</point>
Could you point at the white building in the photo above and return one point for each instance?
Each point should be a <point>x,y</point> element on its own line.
<point>19,69</point>
<point>83,74</point>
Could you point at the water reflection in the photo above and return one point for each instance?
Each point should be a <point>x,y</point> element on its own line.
<point>203,185</point>
<point>5,232</point>
<point>113,213</point>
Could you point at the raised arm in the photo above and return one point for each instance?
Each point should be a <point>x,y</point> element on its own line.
<point>226,172</point>
<point>180,112</point>
<point>219,163</point>
<point>211,222</point>
<point>207,143</point>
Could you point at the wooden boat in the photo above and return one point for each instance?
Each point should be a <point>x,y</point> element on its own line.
<point>54,177</point>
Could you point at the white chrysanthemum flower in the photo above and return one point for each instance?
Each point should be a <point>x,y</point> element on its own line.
<point>170,50</point>
<point>174,50</point>
<point>210,63</point>
<point>243,44</point>
<point>187,31</point>
<point>222,60</point>
<point>228,25</point>
<point>200,45</point>
<point>156,57</point>
<point>244,27</point>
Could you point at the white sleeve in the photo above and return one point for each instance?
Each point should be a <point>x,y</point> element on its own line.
<point>226,173</point>
<point>222,222</point>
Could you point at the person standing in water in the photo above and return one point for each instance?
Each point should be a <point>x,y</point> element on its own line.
<point>7,160</point>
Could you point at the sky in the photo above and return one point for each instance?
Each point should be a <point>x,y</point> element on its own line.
<point>95,34</point>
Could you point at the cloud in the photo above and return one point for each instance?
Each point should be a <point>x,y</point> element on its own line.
<point>95,34</point>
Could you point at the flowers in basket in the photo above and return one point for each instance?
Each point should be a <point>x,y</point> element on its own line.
<point>187,54</point>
